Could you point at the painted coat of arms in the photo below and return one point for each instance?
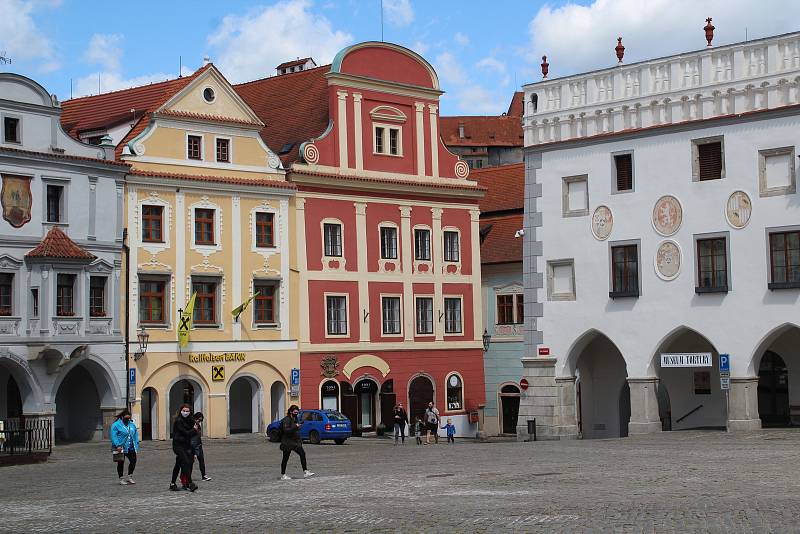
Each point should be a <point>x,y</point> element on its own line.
<point>667,215</point>
<point>329,366</point>
<point>16,199</point>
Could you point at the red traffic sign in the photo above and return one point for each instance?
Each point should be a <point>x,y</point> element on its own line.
<point>544,351</point>
<point>523,384</point>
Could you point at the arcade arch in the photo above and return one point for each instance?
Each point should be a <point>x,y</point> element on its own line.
<point>83,391</point>
<point>776,361</point>
<point>244,405</point>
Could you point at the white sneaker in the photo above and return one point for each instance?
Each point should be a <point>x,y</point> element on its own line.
<point>206,478</point>
<point>285,477</point>
<point>307,474</point>
<point>123,481</point>
<point>130,480</point>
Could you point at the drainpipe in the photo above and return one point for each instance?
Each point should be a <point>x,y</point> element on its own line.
<point>127,251</point>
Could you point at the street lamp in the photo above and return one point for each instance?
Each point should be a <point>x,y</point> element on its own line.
<point>487,338</point>
<point>143,337</point>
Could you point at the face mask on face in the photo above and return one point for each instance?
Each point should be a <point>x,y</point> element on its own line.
<point>185,413</point>
<point>126,420</point>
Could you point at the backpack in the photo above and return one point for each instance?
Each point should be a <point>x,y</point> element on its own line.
<point>279,431</point>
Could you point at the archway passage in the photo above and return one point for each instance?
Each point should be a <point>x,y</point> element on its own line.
<point>388,402</point>
<point>509,408</point>
<point>185,391</point>
<point>689,397</point>
<point>149,421</point>
<point>243,406</point>
<point>78,415</point>
<point>420,393</point>
<point>602,389</point>
<point>773,391</point>
<point>277,398</point>
<point>350,405</point>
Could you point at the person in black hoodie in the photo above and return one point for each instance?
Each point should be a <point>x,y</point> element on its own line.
<point>184,428</point>
<point>197,445</point>
<point>400,422</point>
<point>291,441</point>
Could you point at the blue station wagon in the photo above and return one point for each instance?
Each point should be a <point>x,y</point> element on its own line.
<point>317,425</point>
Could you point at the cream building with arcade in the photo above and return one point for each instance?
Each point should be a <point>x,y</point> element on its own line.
<point>208,211</point>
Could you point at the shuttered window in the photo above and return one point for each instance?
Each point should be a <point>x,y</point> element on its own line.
<point>624,166</point>
<point>709,160</point>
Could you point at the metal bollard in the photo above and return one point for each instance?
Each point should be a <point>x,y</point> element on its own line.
<point>532,429</point>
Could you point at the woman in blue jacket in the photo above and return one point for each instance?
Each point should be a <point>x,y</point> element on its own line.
<point>125,440</point>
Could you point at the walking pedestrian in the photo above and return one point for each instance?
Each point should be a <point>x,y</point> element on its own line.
<point>197,445</point>
<point>450,428</point>
<point>291,441</point>
<point>184,428</point>
<point>418,430</point>
<point>432,419</point>
<point>400,422</point>
<point>125,443</point>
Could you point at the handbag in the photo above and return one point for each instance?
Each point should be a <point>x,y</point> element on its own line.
<point>118,456</point>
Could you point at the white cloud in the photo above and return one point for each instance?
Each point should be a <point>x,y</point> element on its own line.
<point>105,50</point>
<point>476,100</point>
<point>578,38</point>
<point>493,64</point>
<point>398,12</point>
<point>461,39</point>
<point>471,96</point>
<point>250,46</point>
<point>20,37</point>
<point>449,69</point>
<point>420,47</point>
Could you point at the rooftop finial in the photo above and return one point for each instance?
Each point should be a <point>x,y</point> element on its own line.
<point>620,49</point>
<point>709,28</point>
<point>545,67</point>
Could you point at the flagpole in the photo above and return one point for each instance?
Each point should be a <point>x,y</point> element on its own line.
<point>180,314</point>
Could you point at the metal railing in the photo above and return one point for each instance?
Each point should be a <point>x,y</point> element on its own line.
<point>26,437</point>
<point>679,419</point>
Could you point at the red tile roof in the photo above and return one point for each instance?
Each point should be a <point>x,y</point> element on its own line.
<point>109,109</point>
<point>214,179</point>
<point>293,63</point>
<point>48,155</point>
<point>489,130</point>
<point>206,117</point>
<point>57,245</point>
<point>498,244</point>
<point>293,106</point>
<point>505,187</point>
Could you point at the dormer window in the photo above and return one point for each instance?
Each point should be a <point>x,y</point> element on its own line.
<point>194,145</point>
<point>11,130</point>
<point>388,140</point>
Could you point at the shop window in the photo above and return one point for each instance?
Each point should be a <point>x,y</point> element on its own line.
<point>265,229</point>
<point>194,147</point>
<point>455,393</point>
<point>712,265</point>
<point>422,244</point>
<point>336,319</point>
<point>152,301</point>
<point>424,309</point>
<point>65,295</point>
<point>333,239</point>
<point>624,271</point>
<point>223,150</point>
<point>784,254</point>
<point>388,243</point>
<point>451,250</point>
<point>330,395</point>
<point>205,304</point>
<point>452,313</point>
<point>6,294</point>
<point>266,298</point>
<point>152,224</point>
<point>203,226</point>
<point>390,309</point>
<point>97,296</point>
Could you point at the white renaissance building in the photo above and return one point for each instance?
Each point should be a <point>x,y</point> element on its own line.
<point>662,229</point>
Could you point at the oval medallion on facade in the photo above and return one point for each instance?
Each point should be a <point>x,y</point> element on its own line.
<point>738,209</point>
<point>667,215</point>
<point>602,222</point>
<point>668,260</point>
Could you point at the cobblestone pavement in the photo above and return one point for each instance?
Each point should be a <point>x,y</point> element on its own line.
<point>673,482</point>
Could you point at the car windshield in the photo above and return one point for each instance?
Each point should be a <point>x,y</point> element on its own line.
<point>336,416</point>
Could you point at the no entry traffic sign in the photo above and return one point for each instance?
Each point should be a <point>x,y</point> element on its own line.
<point>523,383</point>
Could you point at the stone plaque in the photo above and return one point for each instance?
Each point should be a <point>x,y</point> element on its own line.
<point>602,222</point>
<point>667,215</point>
<point>668,260</point>
<point>738,209</point>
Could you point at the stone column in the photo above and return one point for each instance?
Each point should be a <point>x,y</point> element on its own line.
<point>109,414</point>
<point>743,404</point>
<point>566,411</point>
<point>539,400</point>
<point>644,406</point>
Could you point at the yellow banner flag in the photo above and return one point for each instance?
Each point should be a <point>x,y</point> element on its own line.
<point>185,324</point>
<point>243,306</point>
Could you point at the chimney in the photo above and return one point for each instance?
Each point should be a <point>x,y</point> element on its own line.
<point>545,67</point>
<point>620,50</point>
<point>461,130</point>
<point>709,28</point>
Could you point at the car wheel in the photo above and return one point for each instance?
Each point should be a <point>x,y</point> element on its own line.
<point>273,436</point>
<point>339,441</point>
<point>313,437</point>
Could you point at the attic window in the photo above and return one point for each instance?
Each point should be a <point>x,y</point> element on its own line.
<point>286,148</point>
<point>208,95</point>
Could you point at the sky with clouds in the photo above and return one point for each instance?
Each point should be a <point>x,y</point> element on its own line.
<point>481,50</point>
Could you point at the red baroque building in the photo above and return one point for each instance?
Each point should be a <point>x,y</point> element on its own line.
<point>388,238</point>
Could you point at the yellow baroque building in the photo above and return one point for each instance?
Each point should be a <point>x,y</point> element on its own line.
<point>208,212</point>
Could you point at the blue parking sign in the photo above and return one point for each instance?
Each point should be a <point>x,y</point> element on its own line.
<point>132,377</point>
<point>724,363</point>
<point>295,377</point>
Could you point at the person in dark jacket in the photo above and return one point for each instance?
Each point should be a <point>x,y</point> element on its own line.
<point>197,445</point>
<point>184,428</point>
<point>291,441</point>
<point>400,422</point>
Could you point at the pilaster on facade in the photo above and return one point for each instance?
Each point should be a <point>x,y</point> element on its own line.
<point>363,268</point>
<point>419,122</point>
<point>236,251</point>
<point>302,264</point>
<point>134,239</point>
<point>406,268</point>
<point>474,215</point>
<point>434,125</point>
<point>180,255</point>
<point>342,121</point>
<point>438,326</point>
<point>358,132</point>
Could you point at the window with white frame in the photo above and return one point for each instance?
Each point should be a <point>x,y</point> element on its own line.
<point>452,316</point>
<point>387,140</point>
<point>6,294</point>
<point>455,393</point>
<point>206,305</point>
<point>776,172</point>
<point>336,318</point>
<point>561,279</point>
<point>451,249</point>
<point>388,242</point>
<point>223,150</point>
<point>333,239</point>
<point>424,313</point>
<point>390,313</point>
<point>422,244</point>
<point>265,311</point>
<point>510,309</point>
<point>575,196</point>
<point>97,296</point>
<point>194,147</point>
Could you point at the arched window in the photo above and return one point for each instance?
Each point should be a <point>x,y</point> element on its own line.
<point>455,393</point>
<point>534,102</point>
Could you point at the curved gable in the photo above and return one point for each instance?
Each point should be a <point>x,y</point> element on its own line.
<point>387,62</point>
<point>21,89</point>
